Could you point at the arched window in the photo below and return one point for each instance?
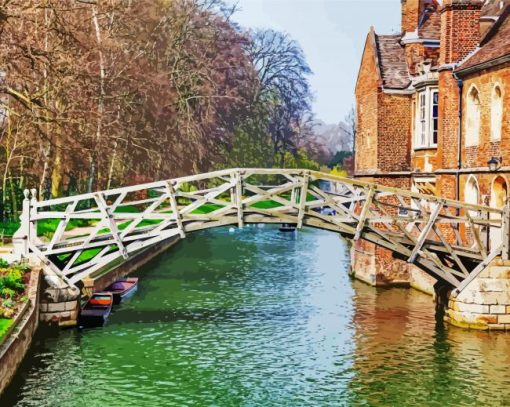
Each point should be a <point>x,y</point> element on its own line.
<point>473,117</point>
<point>472,193</point>
<point>499,197</point>
<point>496,113</point>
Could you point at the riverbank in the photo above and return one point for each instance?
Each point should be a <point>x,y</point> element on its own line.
<point>18,337</point>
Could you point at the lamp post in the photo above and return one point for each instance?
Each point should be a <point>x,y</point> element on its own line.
<point>494,163</point>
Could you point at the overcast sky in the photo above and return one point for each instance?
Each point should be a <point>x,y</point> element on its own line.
<point>332,34</point>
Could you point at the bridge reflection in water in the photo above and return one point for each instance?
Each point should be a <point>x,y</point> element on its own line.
<point>258,317</point>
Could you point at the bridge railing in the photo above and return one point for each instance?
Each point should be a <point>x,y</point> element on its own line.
<point>78,235</point>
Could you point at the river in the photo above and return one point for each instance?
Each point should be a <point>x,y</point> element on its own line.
<point>262,318</point>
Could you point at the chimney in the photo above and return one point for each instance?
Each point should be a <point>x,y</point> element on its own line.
<point>460,29</point>
<point>411,13</point>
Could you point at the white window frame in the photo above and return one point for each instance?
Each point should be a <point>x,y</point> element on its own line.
<point>424,119</point>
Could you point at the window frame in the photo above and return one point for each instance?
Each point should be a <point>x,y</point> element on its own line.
<point>426,125</point>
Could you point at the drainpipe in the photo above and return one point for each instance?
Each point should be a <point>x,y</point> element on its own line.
<point>460,84</point>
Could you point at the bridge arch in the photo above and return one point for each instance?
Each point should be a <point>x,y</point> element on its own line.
<point>93,231</point>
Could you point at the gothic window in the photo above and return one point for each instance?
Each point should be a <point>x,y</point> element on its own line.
<point>472,194</point>
<point>496,113</point>
<point>426,118</point>
<point>473,117</point>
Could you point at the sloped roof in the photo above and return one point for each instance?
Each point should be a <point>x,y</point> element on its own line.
<point>495,45</point>
<point>494,8</point>
<point>392,62</point>
<point>430,24</point>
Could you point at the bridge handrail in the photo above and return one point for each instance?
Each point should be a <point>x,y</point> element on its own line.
<point>447,238</point>
<point>269,171</point>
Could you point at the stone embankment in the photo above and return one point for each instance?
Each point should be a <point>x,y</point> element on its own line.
<point>18,340</point>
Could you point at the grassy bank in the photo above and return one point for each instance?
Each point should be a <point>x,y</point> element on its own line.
<point>13,293</point>
<point>5,324</point>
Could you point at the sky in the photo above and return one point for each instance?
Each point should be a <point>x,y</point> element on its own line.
<point>332,34</point>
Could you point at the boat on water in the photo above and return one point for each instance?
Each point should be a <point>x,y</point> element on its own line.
<point>97,309</point>
<point>123,289</point>
<point>287,227</point>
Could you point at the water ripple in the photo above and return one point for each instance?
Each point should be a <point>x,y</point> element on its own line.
<point>261,318</point>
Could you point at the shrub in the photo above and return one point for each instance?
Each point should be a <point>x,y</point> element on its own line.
<point>4,263</point>
<point>8,303</point>
<point>7,293</point>
<point>12,280</point>
<point>23,267</point>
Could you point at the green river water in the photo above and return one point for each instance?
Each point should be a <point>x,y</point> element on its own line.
<point>262,318</point>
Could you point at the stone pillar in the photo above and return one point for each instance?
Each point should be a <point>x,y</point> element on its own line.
<point>59,304</point>
<point>485,302</point>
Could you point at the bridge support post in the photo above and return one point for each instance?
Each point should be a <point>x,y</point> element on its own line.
<point>21,237</point>
<point>505,230</point>
<point>302,200</point>
<point>484,303</point>
<point>239,199</point>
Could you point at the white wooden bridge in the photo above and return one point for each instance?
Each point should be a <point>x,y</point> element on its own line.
<point>445,238</point>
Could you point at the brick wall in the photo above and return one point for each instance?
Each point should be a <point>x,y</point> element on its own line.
<point>411,10</point>
<point>374,264</point>
<point>460,29</point>
<point>485,81</point>
<point>448,120</point>
<point>417,53</point>
<point>367,89</point>
<point>394,129</point>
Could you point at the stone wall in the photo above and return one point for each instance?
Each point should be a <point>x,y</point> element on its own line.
<point>485,302</point>
<point>59,304</point>
<point>421,281</point>
<point>13,350</point>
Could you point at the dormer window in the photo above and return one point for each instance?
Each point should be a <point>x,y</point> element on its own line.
<point>426,130</point>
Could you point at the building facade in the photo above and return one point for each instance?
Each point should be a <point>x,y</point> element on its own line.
<point>433,114</point>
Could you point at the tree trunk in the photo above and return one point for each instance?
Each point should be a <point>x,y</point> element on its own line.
<point>56,174</point>
<point>100,106</point>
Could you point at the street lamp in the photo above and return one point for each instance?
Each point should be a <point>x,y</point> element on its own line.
<point>494,163</point>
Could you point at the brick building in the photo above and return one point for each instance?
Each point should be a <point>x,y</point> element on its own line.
<point>433,109</point>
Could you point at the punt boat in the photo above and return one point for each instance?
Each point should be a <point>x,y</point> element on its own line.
<point>96,310</point>
<point>287,227</point>
<point>123,289</point>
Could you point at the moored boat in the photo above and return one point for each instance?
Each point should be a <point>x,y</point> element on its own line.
<point>123,289</point>
<point>287,227</point>
<point>97,309</point>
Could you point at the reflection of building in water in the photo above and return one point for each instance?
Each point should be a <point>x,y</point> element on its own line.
<point>403,358</point>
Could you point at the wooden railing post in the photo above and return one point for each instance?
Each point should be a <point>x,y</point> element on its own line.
<point>505,230</point>
<point>175,208</point>
<point>239,199</point>
<point>302,199</point>
<point>20,238</point>
<point>33,214</point>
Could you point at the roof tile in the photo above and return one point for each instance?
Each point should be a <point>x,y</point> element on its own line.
<point>392,62</point>
<point>496,44</point>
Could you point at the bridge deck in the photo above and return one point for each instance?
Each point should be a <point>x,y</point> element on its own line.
<point>446,238</point>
